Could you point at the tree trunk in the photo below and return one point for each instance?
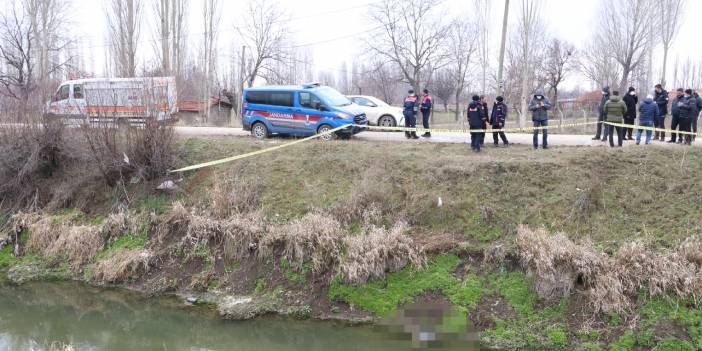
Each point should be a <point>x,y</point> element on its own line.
<point>458,106</point>
<point>665,64</point>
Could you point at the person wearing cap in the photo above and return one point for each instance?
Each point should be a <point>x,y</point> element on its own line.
<point>675,112</point>
<point>631,99</point>
<point>661,99</point>
<point>426,106</point>
<point>409,110</point>
<point>476,121</point>
<point>602,116</point>
<point>539,106</point>
<point>688,109</point>
<point>498,119</point>
<point>486,114</point>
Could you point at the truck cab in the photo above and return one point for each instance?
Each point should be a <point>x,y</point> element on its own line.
<point>68,103</point>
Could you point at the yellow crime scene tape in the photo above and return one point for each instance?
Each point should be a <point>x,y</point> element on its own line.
<point>654,129</point>
<point>418,130</point>
<point>254,153</point>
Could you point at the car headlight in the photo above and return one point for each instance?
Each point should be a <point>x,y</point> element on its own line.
<point>342,115</point>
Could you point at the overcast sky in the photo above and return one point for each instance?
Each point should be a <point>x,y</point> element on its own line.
<point>334,30</point>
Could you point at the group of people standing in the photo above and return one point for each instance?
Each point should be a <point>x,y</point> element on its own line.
<point>652,111</point>
<point>613,108</point>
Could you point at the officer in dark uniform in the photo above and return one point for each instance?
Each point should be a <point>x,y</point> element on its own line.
<point>425,107</point>
<point>486,114</point>
<point>409,110</point>
<point>476,120</point>
<point>498,119</point>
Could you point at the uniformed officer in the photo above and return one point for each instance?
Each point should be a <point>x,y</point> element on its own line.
<point>425,107</point>
<point>477,120</point>
<point>498,119</point>
<point>409,110</point>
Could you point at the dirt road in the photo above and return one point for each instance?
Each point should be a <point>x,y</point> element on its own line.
<point>517,138</point>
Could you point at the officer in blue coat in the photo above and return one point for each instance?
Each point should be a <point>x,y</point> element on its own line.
<point>477,120</point>
<point>409,110</point>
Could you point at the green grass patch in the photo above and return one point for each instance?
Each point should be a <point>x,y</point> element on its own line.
<point>516,289</point>
<point>625,342</point>
<point>6,257</point>
<point>383,296</point>
<point>673,344</point>
<point>129,241</point>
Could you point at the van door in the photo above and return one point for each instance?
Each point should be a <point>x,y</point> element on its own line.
<point>76,105</point>
<point>279,106</point>
<point>59,103</point>
<point>311,108</point>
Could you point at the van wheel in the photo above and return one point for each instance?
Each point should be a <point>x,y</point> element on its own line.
<point>259,131</point>
<point>387,121</point>
<point>326,137</point>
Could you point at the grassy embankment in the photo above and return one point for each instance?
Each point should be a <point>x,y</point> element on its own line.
<point>201,237</point>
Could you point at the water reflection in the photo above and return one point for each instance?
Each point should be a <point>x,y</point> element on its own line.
<point>35,315</point>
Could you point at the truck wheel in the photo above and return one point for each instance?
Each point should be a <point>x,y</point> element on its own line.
<point>326,137</point>
<point>259,131</point>
<point>387,121</point>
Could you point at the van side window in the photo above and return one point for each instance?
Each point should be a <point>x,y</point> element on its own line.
<point>308,100</point>
<point>62,93</point>
<point>78,91</point>
<point>270,98</point>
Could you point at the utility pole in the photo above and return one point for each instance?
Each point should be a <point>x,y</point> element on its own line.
<point>241,81</point>
<point>502,49</point>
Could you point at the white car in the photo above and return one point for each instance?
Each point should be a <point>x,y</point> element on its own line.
<point>378,112</point>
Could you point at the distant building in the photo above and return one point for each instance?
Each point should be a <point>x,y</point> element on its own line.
<point>193,112</point>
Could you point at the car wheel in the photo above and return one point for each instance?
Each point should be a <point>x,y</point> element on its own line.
<point>328,136</point>
<point>387,121</point>
<point>259,131</point>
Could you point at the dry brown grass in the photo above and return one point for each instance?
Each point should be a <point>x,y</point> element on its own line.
<point>123,265</point>
<point>50,238</point>
<point>234,194</point>
<point>611,283</point>
<point>371,191</point>
<point>315,238</point>
<point>378,252</point>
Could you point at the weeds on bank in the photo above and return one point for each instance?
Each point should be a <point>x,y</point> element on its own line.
<point>385,295</point>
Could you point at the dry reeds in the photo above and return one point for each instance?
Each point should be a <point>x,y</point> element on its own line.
<point>78,243</point>
<point>611,283</point>
<point>123,265</point>
<point>315,238</point>
<point>234,194</point>
<point>377,252</point>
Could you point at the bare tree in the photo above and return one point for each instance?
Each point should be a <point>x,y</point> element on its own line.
<point>625,32</point>
<point>670,16</point>
<point>412,38</point>
<point>263,33</point>
<point>444,86</point>
<point>597,65</point>
<point>18,78</point>
<point>529,22</point>
<point>211,17</point>
<point>124,26</point>
<point>557,65</point>
<point>482,10</point>
<point>178,32</point>
<point>49,18</point>
<point>462,42</point>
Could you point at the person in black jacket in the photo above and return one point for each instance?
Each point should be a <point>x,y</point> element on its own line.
<point>486,114</point>
<point>661,99</point>
<point>688,109</point>
<point>476,120</point>
<point>602,116</point>
<point>498,118</point>
<point>675,113</point>
<point>631,99</point>
<point>696,118</point>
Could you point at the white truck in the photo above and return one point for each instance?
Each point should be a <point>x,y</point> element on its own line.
<point>122,101</point>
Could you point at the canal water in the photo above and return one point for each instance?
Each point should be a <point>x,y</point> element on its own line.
<point>49,315</point>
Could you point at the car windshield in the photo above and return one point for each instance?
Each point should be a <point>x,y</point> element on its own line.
<point>333,97</point>
<point>378,101</point>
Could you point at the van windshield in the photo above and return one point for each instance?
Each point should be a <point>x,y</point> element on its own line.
<point>332,97</point>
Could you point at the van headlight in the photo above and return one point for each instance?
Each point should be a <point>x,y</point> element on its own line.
<point>342,115</point>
